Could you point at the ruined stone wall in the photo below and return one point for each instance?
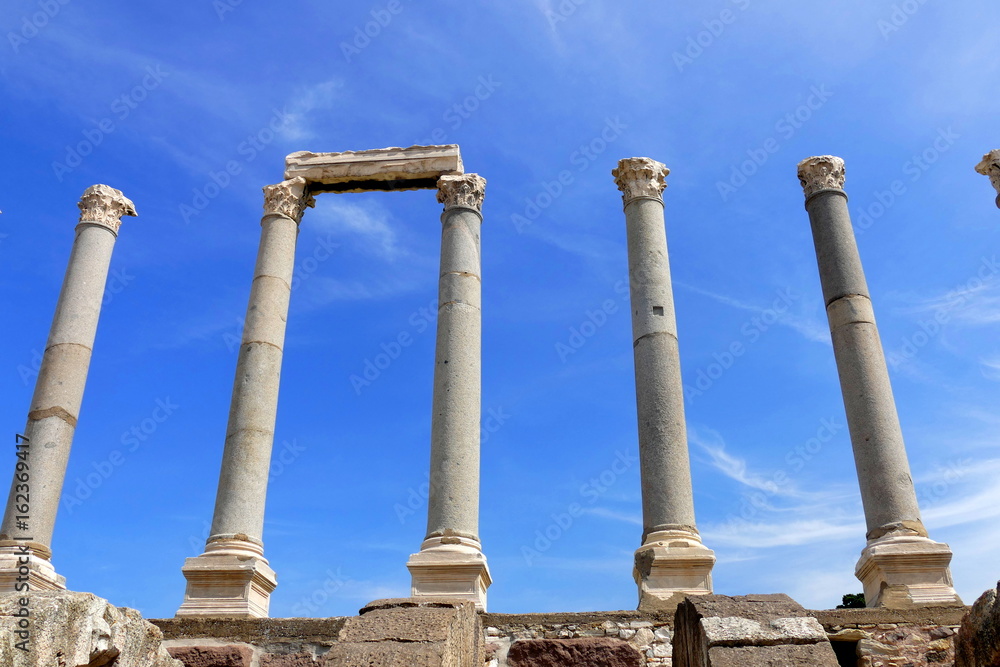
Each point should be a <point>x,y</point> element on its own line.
<point>879,637</point>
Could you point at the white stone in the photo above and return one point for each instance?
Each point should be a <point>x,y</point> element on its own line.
<point>906,571</point>
<point>104,205</point>
<point>379,169</point>
<point>449,570</point>
<point>640,177</point>
<point>822,172</point>
<point>731,630</point>
<point>227,585</point>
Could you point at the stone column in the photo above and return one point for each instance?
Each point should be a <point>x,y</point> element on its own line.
<point>451,563</point>
<point>900,566</point>
<point>30,514</point>
<point>672,562</point>
<point>990,166</point>
<point>232,577</point>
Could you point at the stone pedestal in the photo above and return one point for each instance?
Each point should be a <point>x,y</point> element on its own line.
<point>232,577</point>
<point>990,166</point>
<point>451,563</point>
<point>906,571</point>
<point>43,454</point>
<point>672,560</point>
<point>900,567</point>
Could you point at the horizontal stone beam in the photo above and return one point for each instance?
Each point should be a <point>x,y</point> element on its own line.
<point>413,168</point>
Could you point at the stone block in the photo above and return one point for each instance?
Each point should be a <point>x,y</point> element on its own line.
<point>388,654</point>
<point>287,660</point>
<point>67,628</point>
<point>427,625</point>
<point>790,655</point>
<point>590,651</point>
<point>212,656</point>
<point>978,641</point>
<point>768,630</point>
<point>410,168</point>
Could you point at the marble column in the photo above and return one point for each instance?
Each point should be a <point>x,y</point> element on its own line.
<point>900,566</point>
<point>232,577</point>
<point>451,563</point>
<point>672,561</point>
<point>990,166</point>
<point>30,514</point>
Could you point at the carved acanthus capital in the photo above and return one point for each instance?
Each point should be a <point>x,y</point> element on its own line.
<point>990,166</point>
<point>466,190</point>
<point>640,177</point>
<point>104,205</point>
<point>289,198</point>
<point>823,172</point>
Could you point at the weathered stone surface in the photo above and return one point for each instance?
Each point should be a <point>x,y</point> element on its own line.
<point>590,651</point>
<point>978,640</point>
<point>288,660</point>
<point>388,654</point>
<point>429,625</point>
<point>78,630</point>
<point>212,656</point>
<point>774,629</point>
<point>766,656</point>
<point>990,166</point>
<point>379,169</point>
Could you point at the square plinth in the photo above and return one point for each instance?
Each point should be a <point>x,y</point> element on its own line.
<point>413,168</point>
<point>227,586</point>
<point>38,574</point>
<point>667,573</point>
<point>907,572</point>
<point>450,575</point>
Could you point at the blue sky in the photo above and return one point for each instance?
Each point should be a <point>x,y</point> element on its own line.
<point>160,100</point>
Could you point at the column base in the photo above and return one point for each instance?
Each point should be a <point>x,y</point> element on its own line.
<point>40,576</point>
<point>232,578</point>
<point>670,565</point>
<point>903,572</point>
<point>450,568</point>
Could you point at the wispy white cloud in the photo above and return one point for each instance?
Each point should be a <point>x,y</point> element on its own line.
<point>604,513</point>
<point>368,225</point>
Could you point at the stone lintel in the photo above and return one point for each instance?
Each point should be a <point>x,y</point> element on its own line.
<point>413,168</point>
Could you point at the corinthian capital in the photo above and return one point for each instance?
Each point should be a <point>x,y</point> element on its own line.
<point>990,166</point>
<point>105,206</point>
<point>640,177</point>
<point>289,198</point>
<point>467,190</point>
<point>823,172</point>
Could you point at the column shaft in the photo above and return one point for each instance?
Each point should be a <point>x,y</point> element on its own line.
<point>62,376</point>
<point>900,566</point>
<point>453,503</point>
<point>672,561</point>
<point>234,554</point>
<point>450,563</point>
